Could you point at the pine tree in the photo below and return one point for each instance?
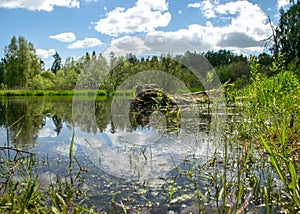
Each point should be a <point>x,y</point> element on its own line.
<point>57,63</point>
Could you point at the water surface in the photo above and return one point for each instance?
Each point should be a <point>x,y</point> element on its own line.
<point>134,160</point>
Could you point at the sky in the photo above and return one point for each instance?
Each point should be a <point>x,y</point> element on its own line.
<point>142,27</point>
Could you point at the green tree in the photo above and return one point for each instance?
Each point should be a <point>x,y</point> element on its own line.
<point>119,72</point>
<point>265,61</point>
<point>57,63</point>
<point>2,71</point>
<point>40,82</point>
<point>93,74</point>
<point>287,34</point>
<point>21,62</point>
<point>36,62</point>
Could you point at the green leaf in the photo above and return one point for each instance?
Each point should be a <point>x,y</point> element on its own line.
<point>292,171</point>
<point>283,135</point>
<point>55,210</point>
<point>274,161</point>
<point>71,150</point>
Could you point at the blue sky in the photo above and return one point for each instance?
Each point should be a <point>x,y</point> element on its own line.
<point>74,27</point>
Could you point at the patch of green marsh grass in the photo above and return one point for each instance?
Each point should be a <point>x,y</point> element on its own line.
<point>24,92</point>
<point>24,195</point>
<point>271,109</point>
<point>271,103</point>
<point>67,194</point>
<point>19,196</point>
<point>285,167</point>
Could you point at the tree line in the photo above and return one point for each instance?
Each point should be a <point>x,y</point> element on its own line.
<point>22,68</point>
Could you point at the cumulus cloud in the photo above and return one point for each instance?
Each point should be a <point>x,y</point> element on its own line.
<point>178,41</point>
<point>127,44</point>
<point>244,30</point>
<point>195,5</point>
<point>145,16</point>
<point>243,33</point>
<point>44,54</point>
<point>160,5</point>
<point>64,37</point>
<point>282,3</point>
<point>206,7</point>
<point>238,40</point>
<point>85,43</point>
<point>45,5</point>
<point>250,19</point>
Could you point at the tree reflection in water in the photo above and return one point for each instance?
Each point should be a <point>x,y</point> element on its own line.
<point>50,122</point>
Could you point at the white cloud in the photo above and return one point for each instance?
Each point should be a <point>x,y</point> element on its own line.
<point>195,5</point>
<point>160,5</point>
<point>44,54</point>
<point>282,3</point>
<point>46,132</point>
<point>250,19</point>
<point>206,7</point>
<point>46,5</point>
<point>126,44</point>
<point>64,37</point>
<point>179,41</point>
<point>85,43</point>
<point>145,16</point>
<point>244,33</point>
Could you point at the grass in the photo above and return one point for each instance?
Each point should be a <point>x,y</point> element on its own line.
<point>270,123</point>
<point>100,92</point>
<point>25,195</point>
<point>24,92</point>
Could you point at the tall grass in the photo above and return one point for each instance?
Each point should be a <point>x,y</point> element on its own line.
<point>271,109</point>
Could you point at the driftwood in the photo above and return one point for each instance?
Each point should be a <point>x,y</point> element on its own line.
<point>151,94</point>
<point>151,98</point>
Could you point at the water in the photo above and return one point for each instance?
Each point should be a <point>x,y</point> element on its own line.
<point>135,163</point>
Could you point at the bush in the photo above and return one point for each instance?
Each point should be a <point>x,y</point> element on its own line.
<point>41,83</point>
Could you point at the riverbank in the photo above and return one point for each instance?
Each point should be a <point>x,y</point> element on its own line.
<point>82,92</point>
<point>25,92</point>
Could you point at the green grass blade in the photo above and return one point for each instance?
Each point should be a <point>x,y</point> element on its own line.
<point>71,151</point>
<point>283,135</point>
<point>292,171</point>
<point>274,161</point>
